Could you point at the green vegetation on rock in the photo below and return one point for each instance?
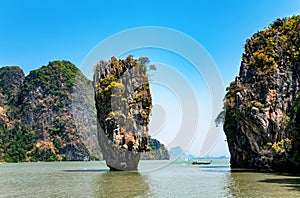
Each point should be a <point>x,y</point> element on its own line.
<point>15,143</point>
<point>262,121</point>
<point>124,103</point>
<point>37,114</point>
<point>123,97</point>
<point>282,146</point>
<point>50,114</point>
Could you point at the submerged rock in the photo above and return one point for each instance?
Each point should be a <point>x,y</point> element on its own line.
<point>123,103</point>
<point>262,104</point>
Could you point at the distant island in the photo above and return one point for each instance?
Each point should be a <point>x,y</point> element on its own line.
<point>177,153</point>
<point>50,115</point>
<point>262,108</point>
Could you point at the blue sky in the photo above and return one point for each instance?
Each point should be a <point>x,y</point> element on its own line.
<point>32,33</point>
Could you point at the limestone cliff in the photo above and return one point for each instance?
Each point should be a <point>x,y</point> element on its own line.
<point>50,115</point>
<point>157,151</point>
<point>123,103</point>
<point>37,114</point>
<point>11,134</point>
<point>11,77</point>
<point>262,121</point>
<point>45,101</point>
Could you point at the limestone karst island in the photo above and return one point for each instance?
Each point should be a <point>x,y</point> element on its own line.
<point>262,121</point>
<point>196,98</point>
<point>123,103</point>
<point>50,115</point>
<point>261,117</point>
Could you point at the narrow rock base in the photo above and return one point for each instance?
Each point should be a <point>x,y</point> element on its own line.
<point>116,158</point>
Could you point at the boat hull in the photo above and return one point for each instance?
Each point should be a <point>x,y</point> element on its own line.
<point>201,163</point>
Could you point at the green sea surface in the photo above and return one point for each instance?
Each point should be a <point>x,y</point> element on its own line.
<point>154,179</point>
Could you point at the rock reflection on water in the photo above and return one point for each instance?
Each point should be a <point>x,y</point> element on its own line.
<point>247,183</point>
<point>120,184</point>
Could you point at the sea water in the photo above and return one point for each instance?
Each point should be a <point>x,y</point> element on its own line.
<point>154,179</point>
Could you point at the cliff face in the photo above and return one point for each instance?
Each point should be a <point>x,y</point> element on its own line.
<point>11,134</point>
<point>50,115</point>
<point>262,104</point>
<point>45,101</point>
<point>123,103</point>
<point>37,111</point>
<point>11,78</point>
<point>157,151</point>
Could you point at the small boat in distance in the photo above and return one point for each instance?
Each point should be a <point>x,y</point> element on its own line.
<point>201,163</point>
